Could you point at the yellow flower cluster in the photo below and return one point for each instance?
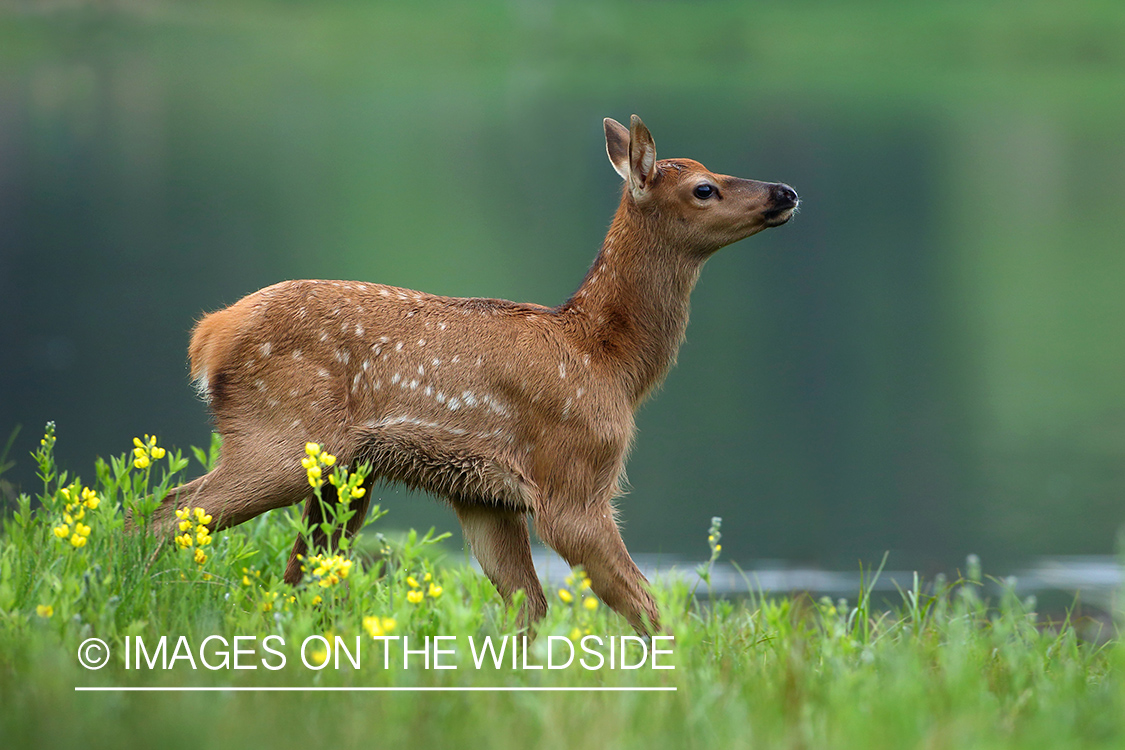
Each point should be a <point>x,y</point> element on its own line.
<point>200,520</point>
<point>144,453</point>
<point>379,626</point>
<point>418,592</point>
<point>315,462</point>
<point>713,537</point>
<point>45,611</point>
<point>580,583</point>
<point>328,571</point>
<point>77,503</point>
<point>251,571</point>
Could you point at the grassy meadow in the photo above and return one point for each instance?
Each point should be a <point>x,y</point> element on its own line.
<point>946,666</point>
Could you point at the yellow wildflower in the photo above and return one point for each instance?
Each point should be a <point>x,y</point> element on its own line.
<point>185,541</point>
<point>434,591</point>
<point>78,541</point>
<point>566,596</point>
<point>245,580</point>
<point>141,462</point>
<point>44,610</point>
<point>327,459</point>
<point>62,532</point>
<point>358,492</point>
<point>90,498</point>
<point>312,449</point>
<point>200,557</point>
<point>415,597</point>
<point>319,656</point>
<point>373,627</point>
<point>316,600</point>
<point>590,603</point>
<point>427,577</point>
<point>389,624</point>
<point>575,634</point>
<point>183,513</point>
<point>81,529</point>
<point>412,582</point>
<point>202,517</point>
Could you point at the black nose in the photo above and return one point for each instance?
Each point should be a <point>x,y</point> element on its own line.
<point>783,196</point>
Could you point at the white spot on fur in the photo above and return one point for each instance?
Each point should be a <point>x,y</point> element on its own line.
<point>384,293</point>
<point>454,403</point>
<point>436,362</point>
<point>366,365</point>
<point>323,336</point>
<point>440,397</point>
<point>260,384</point>
<point>578,393</point>
<point>421,370</point>
<point>495,405</point>
<point>398,347</point>
<point>441,326</point>
<point>202,386</point>
<point>322,372</point>
<point>359,330</point>
<point>413,384</point>
<point>562,370</point>
<point>266,349</point>
<point>469,398</point>
<point>296,354</point>
<point>456,358</point>
<point>429,390</point>
<point>421,342</point>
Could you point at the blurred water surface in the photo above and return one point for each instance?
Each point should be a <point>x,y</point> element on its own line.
<point>927,360</point>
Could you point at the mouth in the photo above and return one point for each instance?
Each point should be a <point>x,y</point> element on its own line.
<point>778,215</point>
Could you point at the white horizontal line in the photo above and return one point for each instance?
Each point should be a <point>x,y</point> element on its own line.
<point>298,689</point>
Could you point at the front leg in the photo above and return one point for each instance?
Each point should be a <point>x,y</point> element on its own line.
<point>502,545</point>
<point>588,536</point>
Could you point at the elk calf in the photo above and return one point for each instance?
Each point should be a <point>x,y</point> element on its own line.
<point>504,409</point>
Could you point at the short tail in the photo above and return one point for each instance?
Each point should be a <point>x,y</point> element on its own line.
<point>212,342</point>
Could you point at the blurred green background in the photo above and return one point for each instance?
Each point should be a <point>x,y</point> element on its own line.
<point>927,360</point>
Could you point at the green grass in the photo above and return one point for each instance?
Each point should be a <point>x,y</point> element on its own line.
<point>942,668</point>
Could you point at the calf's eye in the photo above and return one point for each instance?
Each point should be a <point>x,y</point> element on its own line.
<point>704,191</point>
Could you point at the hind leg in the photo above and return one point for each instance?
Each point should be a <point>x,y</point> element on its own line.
<point>500,542</point>
<point>248,481</point>
<point>314,516</point>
